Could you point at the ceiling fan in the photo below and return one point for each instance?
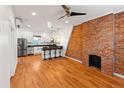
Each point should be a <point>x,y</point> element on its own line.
<point>69,13</point>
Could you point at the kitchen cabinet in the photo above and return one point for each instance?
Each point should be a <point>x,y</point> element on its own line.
<point>30,50</point>
<point>37,50</point>
<point>30,38</point>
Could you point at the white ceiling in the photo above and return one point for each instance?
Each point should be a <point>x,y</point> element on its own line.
<point>50,13</point>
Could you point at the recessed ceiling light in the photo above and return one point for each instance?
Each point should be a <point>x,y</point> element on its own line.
<point>66,22</point>
<point>34,13</point>
<point>28,25</point>
<point>49,24</point>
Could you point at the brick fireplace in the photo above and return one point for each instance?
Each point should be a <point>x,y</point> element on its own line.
<point>97,39</point>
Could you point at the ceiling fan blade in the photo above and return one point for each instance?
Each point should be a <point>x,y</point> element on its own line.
<point>76,14</point>
<point>66,9</point>
<point>62,17</point>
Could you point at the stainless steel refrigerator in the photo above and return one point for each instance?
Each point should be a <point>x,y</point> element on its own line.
<point>22,47</point>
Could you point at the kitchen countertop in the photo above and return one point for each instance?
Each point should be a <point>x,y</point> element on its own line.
<point>40,45</point>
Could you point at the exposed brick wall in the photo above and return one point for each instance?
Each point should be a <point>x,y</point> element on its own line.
<point>119,52</point>
<point>97,39</point>
<point>74,45</point>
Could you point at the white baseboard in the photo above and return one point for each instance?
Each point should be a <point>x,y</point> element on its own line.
<point>73,59</point>
<point>118,75</point>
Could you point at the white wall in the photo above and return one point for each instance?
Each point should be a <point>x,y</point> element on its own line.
<point>63,35</point>
<point>7,45</point>
<point>4,55</point>
<point>13,51</point>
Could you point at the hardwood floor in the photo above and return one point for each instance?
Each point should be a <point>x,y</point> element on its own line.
<point>33,72</point>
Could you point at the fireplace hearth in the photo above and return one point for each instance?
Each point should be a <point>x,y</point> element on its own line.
<point>95,61</point>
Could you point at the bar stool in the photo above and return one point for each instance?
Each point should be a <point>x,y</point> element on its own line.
<point>60,48</point>
<point>50,48</point>
<point>55,48</point>
<point>44,49</point>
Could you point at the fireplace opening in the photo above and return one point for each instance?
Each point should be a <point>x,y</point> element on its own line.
<point>95,61</point>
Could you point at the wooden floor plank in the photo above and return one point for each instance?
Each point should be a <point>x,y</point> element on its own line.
<point>33,72</point>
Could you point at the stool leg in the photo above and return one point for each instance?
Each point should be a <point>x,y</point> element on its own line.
<point>50,54</point>
<point>59,52</point>
<point>44,55</point>
<point>55,53</point>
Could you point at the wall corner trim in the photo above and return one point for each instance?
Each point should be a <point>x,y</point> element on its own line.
<point>118,75</point>
<point>73,59</point>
